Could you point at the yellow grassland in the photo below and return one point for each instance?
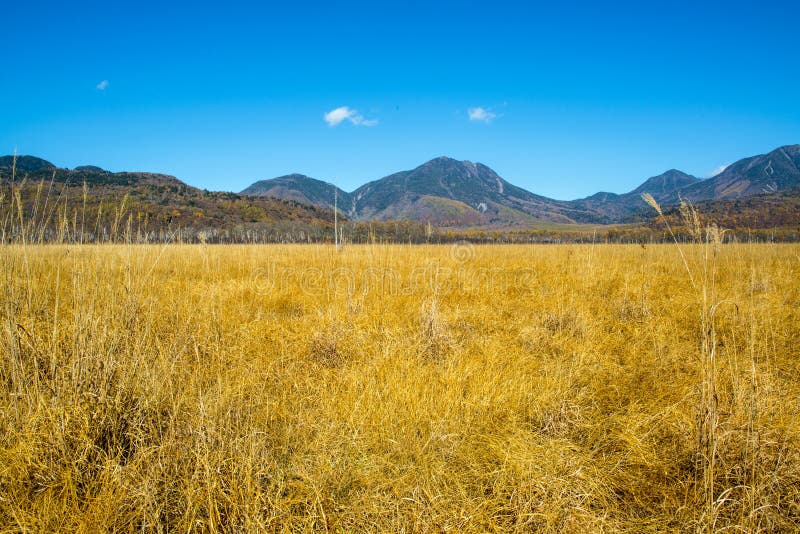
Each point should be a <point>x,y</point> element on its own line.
<point>392,388</point>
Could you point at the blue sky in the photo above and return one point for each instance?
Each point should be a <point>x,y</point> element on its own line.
<point>564,100</point>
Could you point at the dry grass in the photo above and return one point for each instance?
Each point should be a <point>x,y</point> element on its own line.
<point>399,388</point>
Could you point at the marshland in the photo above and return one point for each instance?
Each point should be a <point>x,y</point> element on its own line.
<point>399,388</point>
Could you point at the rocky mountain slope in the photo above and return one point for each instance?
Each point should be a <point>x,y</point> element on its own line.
<point>776,171</point>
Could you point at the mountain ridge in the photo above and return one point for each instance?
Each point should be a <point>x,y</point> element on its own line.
<point>151,204</point>
<point>777,170</point>
<point>455,193</point>
<point>494,201</point>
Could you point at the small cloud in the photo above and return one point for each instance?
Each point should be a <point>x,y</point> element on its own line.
<point>336,116</point>
<point>102,85</point>
<point>717,171</point>
<point>480,114</point>
<point>358,120</point>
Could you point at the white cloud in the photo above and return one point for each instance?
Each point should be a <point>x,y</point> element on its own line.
<point>102,85</point>
<point>361,121</point>
<point>717,171</point>
<point>480,114</point>
<point>336,116</point>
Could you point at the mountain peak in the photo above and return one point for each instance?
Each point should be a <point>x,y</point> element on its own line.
<point>443,159</point>
<point>294,176</point>
<point>90,168</point>
<point>26,163</point>
<point>454,169</point>
<point>666,182</point>
<point>300,188</point>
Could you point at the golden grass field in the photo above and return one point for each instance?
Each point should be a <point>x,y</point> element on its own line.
<point>392,388</point>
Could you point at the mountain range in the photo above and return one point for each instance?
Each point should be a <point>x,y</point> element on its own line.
<point>455,193</point>
<point>443,191</point>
